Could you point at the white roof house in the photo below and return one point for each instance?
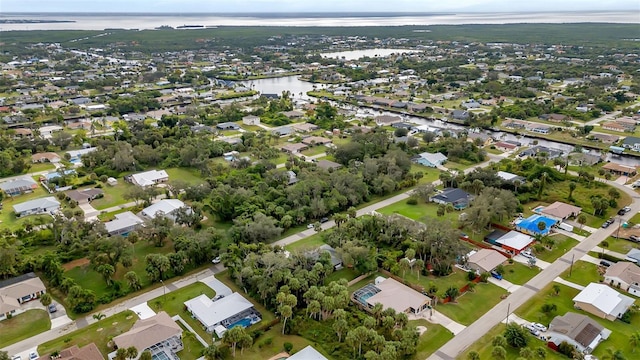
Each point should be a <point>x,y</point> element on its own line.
<point>211,313</point>
<point>514,240</point>
<point>164,206</point>
<point>308,353</point>
<point>37,206</point>
<point>507,176</point>
<point>602,301</point>
<point>392,294</point>
<point>123,223</point>
<point>150,177</point>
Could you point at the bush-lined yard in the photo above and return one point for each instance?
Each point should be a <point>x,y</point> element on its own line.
<point>23,326</point>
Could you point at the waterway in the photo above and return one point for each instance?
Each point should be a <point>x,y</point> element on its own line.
<point>299,88</point>
<point>358,54</point>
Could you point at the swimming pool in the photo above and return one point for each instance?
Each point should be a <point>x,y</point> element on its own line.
<point>160,356</point>
<point>246,322</point>
<point>538,209</point>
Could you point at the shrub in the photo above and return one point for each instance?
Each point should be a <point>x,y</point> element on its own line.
<point>471,275</point>
<point>484,276</point>
<point>412,201</point>
<point>288,347</point>
<point>626,317</point>
<point>268,341</point>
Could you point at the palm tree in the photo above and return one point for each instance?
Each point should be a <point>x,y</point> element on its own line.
<point>146,355</point>
<point>132,352</point>
<point>99,316</point>
<point>634,340</point>
<point>286,312</point>
<point>45,299</point>
<point>212,352</point>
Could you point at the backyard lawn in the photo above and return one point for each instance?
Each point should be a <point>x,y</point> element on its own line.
<point>562,245</point>
<point>272,343</point>
<point>190,176</point>
<point>100,333</point>
<point>583,273</point>
<point>518,273</point>
<point>113,195</point>
<point>314,150</point>
<point>457,278</point>
<point>429,174</point>
<point>23,326</point>
<point>344,273</point>
<point>472,305</point>
<point>435,336</point>
<point>192,347</point>
<point>621,332</point>
<point>173,304</point>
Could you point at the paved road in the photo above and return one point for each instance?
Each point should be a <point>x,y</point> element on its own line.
<point>480,327</point>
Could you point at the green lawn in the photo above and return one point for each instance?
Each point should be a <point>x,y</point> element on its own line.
<point>620,245</point>
<point>583,273</point>
<point>312,242</point>
<point>192,347</point>
<point>262,350</point>
<point>519,274</point>
<point>429,174</point>
<point>314,150</point>
<point>483,346</point>
<point>368,280</point>
<point>457,278</point>
<point>99,333</point>
<point>419,211</point>
<point>173,304</point>
<point>190,176</point>
<point>459,165</point>
<point>38,167</point>
<point>562,245</point>
<point>619,339</point>
<point>23,326</point>
<point>435,336</point>
<point>472,305</point>
<point>113,195</point>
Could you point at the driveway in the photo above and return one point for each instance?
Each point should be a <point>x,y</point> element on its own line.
<point>89,211</point>
<point>216,285</point>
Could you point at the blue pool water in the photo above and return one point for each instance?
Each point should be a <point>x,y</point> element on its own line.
<point>246,322</point>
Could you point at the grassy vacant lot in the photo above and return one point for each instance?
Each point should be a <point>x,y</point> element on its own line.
<point>483,346</point>
<point>173,304</point>
<point>583,273</point>
<point>309,243</point>
<point>190,176</point>
<point>38,167</point>
<point>23,326</point>
<point>457,278</point>
<point>90,279</point>
<point>113,195</point>
<point>429,174</point>
<point>562,245</point>
<point>314,150</point>
<point>419,211</point>
<point>620,245</point>
<point>435,336</point>
<point>518,273</point>
<point>99,333</point>
<point>344,273</point>
<point>621,332</point>
<point>262,349</point>
<point>472,305</point>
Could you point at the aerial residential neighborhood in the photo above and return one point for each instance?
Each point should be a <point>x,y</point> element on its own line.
<point>345,192</point>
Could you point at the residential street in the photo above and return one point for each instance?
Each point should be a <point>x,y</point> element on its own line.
<point>475,331</point>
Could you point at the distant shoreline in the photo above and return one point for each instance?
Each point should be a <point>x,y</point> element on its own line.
<point>31,21</point>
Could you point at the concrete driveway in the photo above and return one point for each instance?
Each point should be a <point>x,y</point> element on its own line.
<point>216,285</point>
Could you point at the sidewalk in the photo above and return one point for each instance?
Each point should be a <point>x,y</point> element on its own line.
<point>510,287</point>
<point>590,259</point>
<point>523,260</point>
<point>568,283</point>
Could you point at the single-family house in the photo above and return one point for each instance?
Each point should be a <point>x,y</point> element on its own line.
<point>159,334</point>
<point>430,159</point>
<point>624,275</point>
<point>531,225</point>
<point>577,330</point>
<point>460,115</point>
<point>44,205</point>
<point>48,130</point>
<point>485,260</point>
<point>304,127</point>
<point>614,126</point>
<point>538,128</point>
<point>328,165</point>
<point>23,133</point>
<point>166,207</point>
<point>123,224</point>
<point>513,242</point>
<point>510,178</point>
<point>84,196</point>
<point>228,126</point>
<point>282,131</point>
<point>581,159</point>
<point>18,290</point>
<point>292,178</point>
<point>76,155</point>
<point>633,255</point>
<point>387,120</point>
<point>471,104</point>
<point>229,311</point>
<point>316,140</point>
<point>631,142</point>
<point>539,150</point>
<point>554,117</point>
<point>605,138</point>
<point>505,146</point>
<point>307,353</point>
<point>336,261</point>
<point>459,198</point>
<point>391,294</point>
<point>293,114</point>
<point>19,186</point>
<point>602,301</point>
<point>560,211</point>
<point>251,120</point>
<point>45,157</point>
<point>87,352</point>
<point>149,178</point>
<point>619,169</point>
<point>294,148</point>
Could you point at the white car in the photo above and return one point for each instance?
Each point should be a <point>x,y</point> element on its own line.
<point>527,254</point>
<point>532,330</point>
<point>216,260</point>
<point>310,226</point>
<point>539,326</point>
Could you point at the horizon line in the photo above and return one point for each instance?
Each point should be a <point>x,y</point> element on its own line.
<point>307,12</point>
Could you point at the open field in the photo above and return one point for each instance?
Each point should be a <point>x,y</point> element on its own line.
<point>518,273</point>
<point>562,245</point>
<point>419,211</point>
<point>472,304</point>
<point>435,336</point>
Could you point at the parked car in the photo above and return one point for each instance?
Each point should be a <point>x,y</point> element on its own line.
<point>496,275</point>
<point>52,308</point>
<point>324,220</point>
<point>539,327</point>
<point>17,357</point>
<point>216,260</point>
<point>527,254</point>
<point>605,263</point>
<point>33,355</point>
<point>634,238</point>
<point>217,297</point>
<point>535,332</point>
<point>607,223</point>
<point>624,210</point>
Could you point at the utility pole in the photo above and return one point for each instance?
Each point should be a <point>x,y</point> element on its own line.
<point>508,311</point>
<point>571,267</point>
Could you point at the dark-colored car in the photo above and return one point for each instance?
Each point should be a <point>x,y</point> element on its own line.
<point>324,220</point>
<point>52,308</point>
<point>624,210</point>
<point>607,223</point>
<point>605,263</point>
<point>496,275</point>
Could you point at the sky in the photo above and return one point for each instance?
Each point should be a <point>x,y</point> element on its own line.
<point>253,6</point>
